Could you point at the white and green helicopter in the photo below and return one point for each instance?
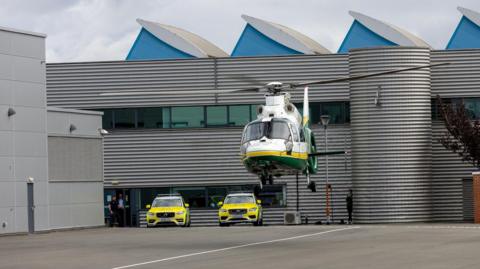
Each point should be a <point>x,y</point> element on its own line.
<point>280,142</point>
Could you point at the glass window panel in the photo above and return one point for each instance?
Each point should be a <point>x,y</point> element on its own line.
<point>216,115</point>
<point>188,117</point>
<point>335,111</point>
<point>150,117</point>
<point>196,197</point>
<point>239,115</point>
<point>166,117</point>
<point>124,118</point>
<point>347,112</point>
<point>272,195</point>
<point>472,107</point>
<point>215,195</point>
<point>107,119</point>
<point>147,195</point>
<point>253,112</point>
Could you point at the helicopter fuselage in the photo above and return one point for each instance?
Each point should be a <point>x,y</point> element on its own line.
<point>275,143</point>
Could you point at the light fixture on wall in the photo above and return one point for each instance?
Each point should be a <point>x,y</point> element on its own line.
<point>102,131</point>
<point>11,112</point>
<point>72,128</point>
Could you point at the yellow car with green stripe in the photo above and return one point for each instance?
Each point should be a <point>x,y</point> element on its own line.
<point>240,208</point>
<point>168,210</point>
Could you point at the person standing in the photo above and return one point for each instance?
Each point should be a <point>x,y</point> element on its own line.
<point>121,210</point>
<point>349,200</point>
<point>113,208</point>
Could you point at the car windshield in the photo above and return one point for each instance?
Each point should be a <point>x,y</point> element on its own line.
<point>170,202</point>
<point>274,129</point>
<point>239,200</point>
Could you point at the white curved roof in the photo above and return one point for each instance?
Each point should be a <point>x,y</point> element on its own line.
<point>470,14</point>
<point>183,40</point>
<point>286,36</point>
<point>388,31</point>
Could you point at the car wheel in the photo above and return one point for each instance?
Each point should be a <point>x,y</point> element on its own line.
<point>223,224</point>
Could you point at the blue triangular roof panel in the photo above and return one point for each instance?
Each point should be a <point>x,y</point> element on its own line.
<point>359,36</point>
<point>149,47</point>
<point>466,36</point>
<point>254,43</point>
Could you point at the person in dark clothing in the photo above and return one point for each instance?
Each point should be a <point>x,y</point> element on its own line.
<point>113,208</point>
<point>349,200</point>
<point>121,210</point>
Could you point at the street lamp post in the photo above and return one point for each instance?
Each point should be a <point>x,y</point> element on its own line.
<point>325,119</point>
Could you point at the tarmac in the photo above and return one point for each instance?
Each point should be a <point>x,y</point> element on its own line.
<point>335,246</point>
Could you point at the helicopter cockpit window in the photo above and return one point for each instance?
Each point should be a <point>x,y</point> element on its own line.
<point>302,135</point>
<point>274,129</point>
<point>295,134</point>
<point>279,130</point>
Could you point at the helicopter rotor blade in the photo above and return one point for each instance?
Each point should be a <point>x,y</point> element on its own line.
<point>245,78</point>
<point>362,76</point>
<point>153,92</point>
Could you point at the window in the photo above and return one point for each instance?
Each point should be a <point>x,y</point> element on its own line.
<point>241,199</point>
<point>275,129</point>
<point>148,195</point>
<point>188,117</point>
<point>335,111</point>
<point>272,195</point>
<point>215,195</point>
<point>239,115</point>
<point>152,117</point>
<point>253,112</point>
<point>295,134</point>
<point>196,197</point>
<point>107,119</point>
<point>216,116</point>
<point>472,107</point>
<point>347,112</point>
<point>124,118</point>
<point>167,202</point>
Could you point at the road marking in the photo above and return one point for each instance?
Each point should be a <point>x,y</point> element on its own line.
<point>234,247</point>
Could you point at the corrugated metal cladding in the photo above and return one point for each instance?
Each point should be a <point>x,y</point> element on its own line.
<point>210,156</point>
<point>461,78</point>
<point>448,171</point>
<point>391,139</point>
<point>78,85</point>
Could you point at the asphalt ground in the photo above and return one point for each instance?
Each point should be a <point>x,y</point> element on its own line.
<point>336,246</point>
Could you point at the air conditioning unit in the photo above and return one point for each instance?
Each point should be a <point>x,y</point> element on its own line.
<point>292,218</point>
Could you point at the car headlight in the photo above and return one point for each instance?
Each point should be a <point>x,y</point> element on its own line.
<point>223,211</point>
<point>180,212</point>
<point>150,214</point>
<point>252,209</point>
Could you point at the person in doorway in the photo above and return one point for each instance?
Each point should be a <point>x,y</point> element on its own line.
<point>349,200</point>
<point>113,208</point>
<point>121,210</point>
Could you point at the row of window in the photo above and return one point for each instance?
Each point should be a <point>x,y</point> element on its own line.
<point>208,116</point>
<point>472,106</point>
<point>208,197</point>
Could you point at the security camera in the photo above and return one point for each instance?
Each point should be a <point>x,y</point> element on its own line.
<point>102,131</point>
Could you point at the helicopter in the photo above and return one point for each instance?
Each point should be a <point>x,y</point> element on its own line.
<point>280,142</point>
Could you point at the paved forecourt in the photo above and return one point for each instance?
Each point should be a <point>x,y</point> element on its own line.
<point>376,246</point>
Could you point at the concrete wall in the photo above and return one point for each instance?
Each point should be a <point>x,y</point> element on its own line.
<point>23,136</point>
<point>75,168</point>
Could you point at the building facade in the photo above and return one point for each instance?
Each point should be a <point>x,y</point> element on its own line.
<point>34,138</point>
<point>171,141</point>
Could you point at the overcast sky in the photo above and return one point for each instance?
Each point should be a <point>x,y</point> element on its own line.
<point>93,30</point>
